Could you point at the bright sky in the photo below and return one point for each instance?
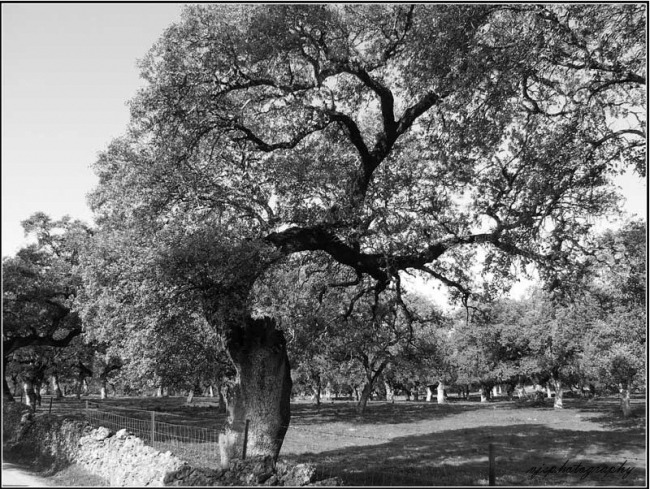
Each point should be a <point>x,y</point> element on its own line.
<point>67,72</point>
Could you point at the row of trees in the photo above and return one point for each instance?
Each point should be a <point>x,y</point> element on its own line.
<point>342,147</point>
<point>593,337</point>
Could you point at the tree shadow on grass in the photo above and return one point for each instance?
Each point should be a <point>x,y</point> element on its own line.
<point>607,412</point>
<point>377,412</point>
<point>460,457</point>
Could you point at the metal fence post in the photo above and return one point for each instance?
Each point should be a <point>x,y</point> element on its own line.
<point>491,475</point>
<point>153,427</point>
<point>243,454</point>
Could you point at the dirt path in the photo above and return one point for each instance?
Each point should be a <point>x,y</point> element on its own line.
<point>16,476</point>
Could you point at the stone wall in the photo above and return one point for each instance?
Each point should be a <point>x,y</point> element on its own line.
<point>49,443</point>
<point>123,459</point>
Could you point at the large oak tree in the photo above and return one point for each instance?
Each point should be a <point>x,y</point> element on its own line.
<point>393,138</point>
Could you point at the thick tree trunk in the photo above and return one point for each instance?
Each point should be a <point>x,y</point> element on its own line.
<point>549,390</point>
<point>262,391</point>
<point>557,404</point>
<point>441,393</point>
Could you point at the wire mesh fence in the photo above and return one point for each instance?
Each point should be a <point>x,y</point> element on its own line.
<point>197,445</point>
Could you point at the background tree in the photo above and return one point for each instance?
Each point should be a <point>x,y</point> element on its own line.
<point>391,137</point>
<point>615,347</point>
<point>39,286</point>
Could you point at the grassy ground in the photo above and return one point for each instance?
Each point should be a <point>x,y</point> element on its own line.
<point>420,443</point>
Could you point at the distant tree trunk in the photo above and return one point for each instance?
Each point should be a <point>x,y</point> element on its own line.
<point>190,396</point>
<point>210,391</point>
<point>592,390</point>
<point>159,391</point>
<point>521,390</point>
<point>56,387</point>
<point>316,388</point>
<point>82,385</point>
<point>390,392</point>
<point>558,393</point>
<point>365,396</point>
<point>37,391</point>
<point>103,376</point>
<point>30,394</point>
<point>549,390</point>
<point>262,390</point>
<point>441,393</point>
<point>429,393</point>
<point>6,392</point>
<point>17,384</point>
<point>485,392</point>
<point>408,394</point>
<point>222,400</point>
<point>626,408</point>
<point>371,378</point>
<point>495,391</point>
<point>416,394</point>
<point>328,391</point>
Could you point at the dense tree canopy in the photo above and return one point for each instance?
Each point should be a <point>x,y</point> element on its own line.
<point>388,136</point>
